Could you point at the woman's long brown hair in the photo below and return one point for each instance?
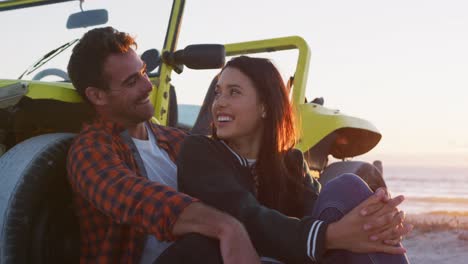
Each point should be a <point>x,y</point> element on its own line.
<point>277,188</point>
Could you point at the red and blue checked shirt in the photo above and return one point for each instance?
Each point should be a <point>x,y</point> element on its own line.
<point>116,204</point>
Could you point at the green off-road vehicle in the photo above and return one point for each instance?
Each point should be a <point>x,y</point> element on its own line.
<point>40,112</point>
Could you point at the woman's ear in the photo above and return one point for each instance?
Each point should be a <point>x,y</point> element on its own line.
<point>96,96</point>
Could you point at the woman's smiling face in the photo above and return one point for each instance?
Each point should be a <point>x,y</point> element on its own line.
<point>237,110</point>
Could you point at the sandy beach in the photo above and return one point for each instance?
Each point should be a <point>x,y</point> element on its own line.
<point>438,238</point>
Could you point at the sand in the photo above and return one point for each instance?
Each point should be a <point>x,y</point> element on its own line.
<point>438,238</point>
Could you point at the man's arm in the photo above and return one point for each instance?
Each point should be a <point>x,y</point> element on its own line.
<point>98,174</point>
<point>235,245</point>
<point>101,177</point>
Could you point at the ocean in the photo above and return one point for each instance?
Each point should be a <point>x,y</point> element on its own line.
<point>187,114</point>
<point>438,189</point>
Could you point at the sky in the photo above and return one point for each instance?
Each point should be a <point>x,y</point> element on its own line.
<point>402,65</point>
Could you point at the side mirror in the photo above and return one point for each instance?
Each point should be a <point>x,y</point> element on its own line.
<point>87,18</point>
<point>151,58</point>
<point>201,56</point>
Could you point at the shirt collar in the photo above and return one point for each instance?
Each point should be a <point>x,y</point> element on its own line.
<point>107,125</point>
<point>243,161</point>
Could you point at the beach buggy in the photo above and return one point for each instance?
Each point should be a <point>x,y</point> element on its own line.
<point>39,117</point>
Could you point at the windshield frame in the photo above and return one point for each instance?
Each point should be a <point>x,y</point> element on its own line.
<point>30,33</point>
<point>15,4</point>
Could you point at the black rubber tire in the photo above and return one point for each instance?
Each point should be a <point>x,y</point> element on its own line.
<point>372,175</point>
<point>36,212</point>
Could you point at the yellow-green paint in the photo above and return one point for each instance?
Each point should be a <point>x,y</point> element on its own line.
<point>160,96</point>
<point>4,83</point>
<point>48,90</point>
<point>18,2</point>
<point>316,122</point>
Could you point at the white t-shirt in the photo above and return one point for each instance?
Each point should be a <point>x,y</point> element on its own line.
<point>159,168</point>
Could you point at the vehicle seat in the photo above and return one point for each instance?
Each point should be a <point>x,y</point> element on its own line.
<point>204,120</point>
<point>34,117</point>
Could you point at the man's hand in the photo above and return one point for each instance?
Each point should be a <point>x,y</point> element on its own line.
<point>356,231</point>
<point>235,245</point>
<point>234,241</point>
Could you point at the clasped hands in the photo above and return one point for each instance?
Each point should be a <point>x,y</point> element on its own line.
<point>375,225</point>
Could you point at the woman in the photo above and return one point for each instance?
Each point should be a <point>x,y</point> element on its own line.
<point>250,170</point>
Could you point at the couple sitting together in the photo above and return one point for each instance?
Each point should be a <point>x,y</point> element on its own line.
<point>146,193</point>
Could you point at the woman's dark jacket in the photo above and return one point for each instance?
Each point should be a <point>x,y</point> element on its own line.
<point>208,170</point>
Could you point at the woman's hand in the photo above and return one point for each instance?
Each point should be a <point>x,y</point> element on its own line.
<point>397,233</point>
<point>384,220</point>
<point>357,230</point>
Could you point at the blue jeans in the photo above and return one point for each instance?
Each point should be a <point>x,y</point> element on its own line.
<point>337,198</point>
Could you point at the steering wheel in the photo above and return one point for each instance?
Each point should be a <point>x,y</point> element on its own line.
<point>51,72</point>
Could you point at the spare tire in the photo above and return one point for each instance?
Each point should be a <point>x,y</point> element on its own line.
<point>38,224</point>
<point>371,174</point>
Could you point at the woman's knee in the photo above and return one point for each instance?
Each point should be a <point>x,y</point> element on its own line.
<point>343,193</point>
<point>350,184</point>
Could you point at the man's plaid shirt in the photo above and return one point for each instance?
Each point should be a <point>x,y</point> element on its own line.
<point>117,205</point>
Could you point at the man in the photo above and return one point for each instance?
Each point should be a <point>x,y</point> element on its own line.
<point>126,209</point>
<point>121,169</point>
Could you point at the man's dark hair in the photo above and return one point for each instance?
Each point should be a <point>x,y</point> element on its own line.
<point>86,65</point>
